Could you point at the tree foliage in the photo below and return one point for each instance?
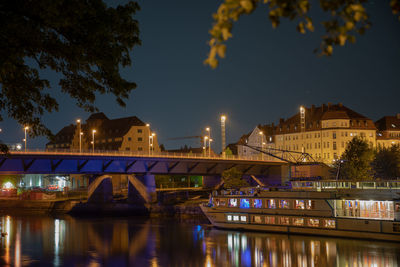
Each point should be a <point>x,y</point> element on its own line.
<point>233,179</point>
<point>85,42</point>
<point>345,19</point>
<point>356,160</point>
<point>387,162</point>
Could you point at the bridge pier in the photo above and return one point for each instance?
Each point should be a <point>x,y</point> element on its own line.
<point>100,189</point>
<point>142,188</point>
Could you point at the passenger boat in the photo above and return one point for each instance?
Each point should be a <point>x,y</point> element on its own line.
<point>351,209</point>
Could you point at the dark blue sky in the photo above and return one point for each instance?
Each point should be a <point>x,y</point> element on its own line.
<point>267,74</point>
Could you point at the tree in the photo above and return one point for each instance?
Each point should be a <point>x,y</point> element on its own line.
<point>228,152</point>
<point>346,18</point>
<point>357,160</point>
<point>85,42</point>
<point>233,178</point>
<point>387,162</point>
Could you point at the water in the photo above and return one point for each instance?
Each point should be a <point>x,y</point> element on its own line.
<point>67,241</point>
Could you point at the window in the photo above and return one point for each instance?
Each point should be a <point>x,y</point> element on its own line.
<point>313,222</point>
<point>329,223</point>
<point>127,148</point>
<point>257,219</point>
<point>396,227</point>
<point>284,204</point>
<point>140,148</point>
<point>271,203</point>
<point>257,203</point>
<point>300,204</point>
<point>334,135</point>
<point>284,220</point>
<point>139,130</point>
<point>236,218</point>
<point>243,218</point>
<point>229,217</point>
<point>342,144</point>
<point>232,202</point>
<point>310,204</point>
<point>298,221</point>
<point>269,219</point>
<point>244,203</point>
<point>140,139</point>
<point>334,145</point>
<point>327,144</point>
<point>129,138</point>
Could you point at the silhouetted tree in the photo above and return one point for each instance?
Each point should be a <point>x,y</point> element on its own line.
<point>387,162</point>
<point>233,178</point>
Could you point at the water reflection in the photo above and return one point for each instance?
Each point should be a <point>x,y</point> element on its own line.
<point>65,241</point>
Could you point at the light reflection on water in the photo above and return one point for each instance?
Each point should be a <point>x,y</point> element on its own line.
<point>66,241</point>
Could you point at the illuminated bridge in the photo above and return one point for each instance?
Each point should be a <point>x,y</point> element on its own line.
<point>140,168</point>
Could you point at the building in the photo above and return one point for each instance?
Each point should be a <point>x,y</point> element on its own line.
<point>261,137</point>
<point>322,131</point>
<point>123,134</point>
<point>388,133</point>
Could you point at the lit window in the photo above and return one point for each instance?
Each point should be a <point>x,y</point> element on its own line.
<point>329,223</point>
<point>243,218</point>
<point>310,204</point>
<point>300,204</point>
<point>313,222</point>
<point>284,220</point>
<point>284,204</point>
<point>257,203</point>
<point>244,203</point>
<point>257,219</point>
<point>298,221</point>
<point>271,204</point>
<point>236,218</point>
<point>269,219</point>
<point>229,217</point>
<point>232,202</point>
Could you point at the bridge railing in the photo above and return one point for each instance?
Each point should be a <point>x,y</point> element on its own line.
<point>153,154</point>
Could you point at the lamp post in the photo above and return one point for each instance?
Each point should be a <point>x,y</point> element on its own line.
<point>25,140</point>
<point>262,144</point>
<point>78,122</point>
<point>223,119</point>
<point>93,132</point>
<point>148,126</point>
<point>205,145</point>
<point>208,129</point>
<point>151,143</point>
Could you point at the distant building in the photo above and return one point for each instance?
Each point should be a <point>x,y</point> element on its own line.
<point>123,134</point>
<point>388,133</point>
<point>323,132</point>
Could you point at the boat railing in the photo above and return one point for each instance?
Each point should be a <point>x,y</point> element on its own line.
<point>345,184</point>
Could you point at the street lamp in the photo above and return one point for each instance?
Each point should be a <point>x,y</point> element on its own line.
<point>223,119</point>
<point>151,142</point>
<point>208,129</point>
<point>205,145</point>
<point>262,144</point>
<point>93,132</point>
<point>26,129</point>
<point>78,122</point>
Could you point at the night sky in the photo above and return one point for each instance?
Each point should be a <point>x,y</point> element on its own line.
<point>266,75</point>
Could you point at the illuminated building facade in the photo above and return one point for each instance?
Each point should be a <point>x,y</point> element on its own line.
<point>388,131</point>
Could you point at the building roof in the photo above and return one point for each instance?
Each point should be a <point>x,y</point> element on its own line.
<point>388,123</point>
<point>314,116</point>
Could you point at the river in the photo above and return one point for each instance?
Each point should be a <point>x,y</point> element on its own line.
<point>67,241</point>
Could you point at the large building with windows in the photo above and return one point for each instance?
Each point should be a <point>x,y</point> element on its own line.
<point>123,134</point>
<point>388,131</point>
<point>322,131</point>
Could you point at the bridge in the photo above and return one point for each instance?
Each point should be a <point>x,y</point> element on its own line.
<point>140,168</point>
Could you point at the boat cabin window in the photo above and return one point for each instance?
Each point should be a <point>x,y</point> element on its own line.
<point>222,203</point>
<point>236,218</point>
<point>329,223</point>
<point>271,203</point>
<point>257,203</point>
<point>229,217</point>
<point>284,220</point>
<point>397,208</point>
<point>269,219</point>
<point>313,222</point>
<point>257,219</point>
<point>396,227</point>
<point>310,204</point>
<point>232,202</point>
<point>243,218</point>
<point>300,204</point>
<point>244,203</point>
<point>382,210</point>
<point>298,221</point>
<point>284,204</point>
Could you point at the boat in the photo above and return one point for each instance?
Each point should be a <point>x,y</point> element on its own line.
<point>352,209</point>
